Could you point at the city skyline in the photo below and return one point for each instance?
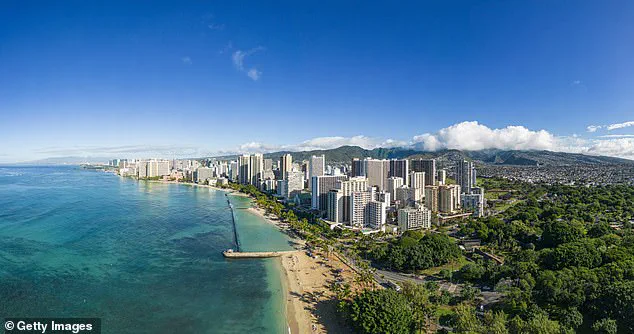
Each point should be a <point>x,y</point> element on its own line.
<point>120,80</point>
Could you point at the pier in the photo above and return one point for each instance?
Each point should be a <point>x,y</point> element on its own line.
<point>233,221</point>
<point>246,255</point>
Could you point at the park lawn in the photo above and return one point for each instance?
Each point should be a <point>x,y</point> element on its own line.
<point>507,204</point>
<point>495,194</point>
<point>454,265</point>
<point>444,310</point>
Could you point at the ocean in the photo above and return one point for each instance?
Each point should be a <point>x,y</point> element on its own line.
<point>144,257</point>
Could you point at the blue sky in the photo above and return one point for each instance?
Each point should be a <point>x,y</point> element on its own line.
<point>195,77</point>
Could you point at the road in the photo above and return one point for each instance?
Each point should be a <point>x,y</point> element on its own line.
<point>382,276</point>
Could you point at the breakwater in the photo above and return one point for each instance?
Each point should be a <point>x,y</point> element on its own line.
<point>233,222</point>
<point>245,255</point>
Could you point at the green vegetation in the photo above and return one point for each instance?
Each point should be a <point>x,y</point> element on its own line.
<point>413,310</point>
<point>569,265</point>
<point>414,251</point>
<point>566,269</point>
<point>380,311</point>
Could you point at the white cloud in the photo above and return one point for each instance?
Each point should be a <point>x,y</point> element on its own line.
<point>610,127</point>
<point>620,147</point>
<point>576,82</point>
<point>238,58</point>
<point>186,60</point>
<point>593,128</point>
<point>461,136</point>
<point>468,136</point>
<point>254,74</point>
<point>473,136</point>
<point>617,136</point>
<point>620,125</point>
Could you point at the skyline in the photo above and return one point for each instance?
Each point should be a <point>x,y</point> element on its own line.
<point>112,78</point>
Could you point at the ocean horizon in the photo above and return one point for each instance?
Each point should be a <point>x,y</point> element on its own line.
<point>145,257</point>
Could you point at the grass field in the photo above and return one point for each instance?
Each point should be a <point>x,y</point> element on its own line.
<point>454,265</point>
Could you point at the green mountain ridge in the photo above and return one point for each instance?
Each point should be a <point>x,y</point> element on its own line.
<point>488,156</point>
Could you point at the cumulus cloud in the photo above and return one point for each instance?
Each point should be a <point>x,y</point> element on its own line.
<point>617,136</point>
<point>610,127</point>
<point>254,74</point>
<point>469,136</point>
<point>620,125</point>
<point>593,128</point>
<point>472,136</point>
<point>239,57</point>
<point>620,147</point>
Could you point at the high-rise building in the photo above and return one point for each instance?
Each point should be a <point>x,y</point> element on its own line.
<point>448,198</point>
<point>257,168</point>
<point>316,167</point>
<point>394,183</point>
<point>400,168</point>
<point>474,201</point>
<point>233,171</point>
<point>320,186</point>
<point>267,175</point>
<point>377,172</point>
<point>223,169</point>
<point>268,165</point>
<point>269,185</point>
<point>466,176</point>
<point>402,195</point>
<point>153,168</point>
<point>359,183</point>
<point>244,169</point>
<point>142,169</point>
<point>203,174</point>
<point>358,167</point>
<point>376,215</point>
<point>335,207</point>
<point>382,196</point>
<point>358,204</point>
<point>291,185</point>
<point>417,185</point>
<point>428,166</point>
<point>286,164</point>
<point>414,218</point>
<point>442,177</point>
<point>431,198</point>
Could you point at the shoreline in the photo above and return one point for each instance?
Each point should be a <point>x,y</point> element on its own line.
<point>297,318</point>
<point>305,280</point>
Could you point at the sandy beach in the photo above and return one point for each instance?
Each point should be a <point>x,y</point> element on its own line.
<point>310,305</point>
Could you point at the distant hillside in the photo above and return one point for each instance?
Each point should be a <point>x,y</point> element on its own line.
<point>549,158</point>
<point>448,157</point>
<point>347,153</point>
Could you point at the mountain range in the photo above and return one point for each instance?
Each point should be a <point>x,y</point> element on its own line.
<point>489,156</point>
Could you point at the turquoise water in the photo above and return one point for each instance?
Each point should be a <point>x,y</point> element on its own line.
<point>144,257</point>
